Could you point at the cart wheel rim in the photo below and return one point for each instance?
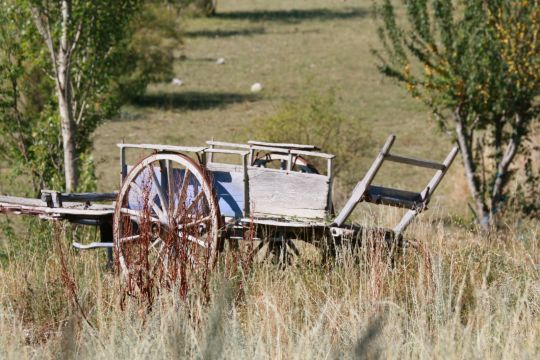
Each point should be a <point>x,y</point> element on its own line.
<point>166,222</point>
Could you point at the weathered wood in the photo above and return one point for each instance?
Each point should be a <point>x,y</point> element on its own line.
<point>157,147</point>
<point>416,162</point>
<point>227,144</point>
<point>293,151</point>
<point>427,192</point>
<point>284,145</point>
<point>226,151</point>
<point>93,245</point>
<point>231,188</point>
<point>393,197</point>
<point>82,197</point>
<point>287,193</point>
<point>284,222</point>
<point>361,187</point>
<point>26,206</point>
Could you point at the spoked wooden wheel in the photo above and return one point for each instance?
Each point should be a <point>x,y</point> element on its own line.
<point>166,224</point>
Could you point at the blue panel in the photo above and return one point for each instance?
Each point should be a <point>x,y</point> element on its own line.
<point>229,188</point>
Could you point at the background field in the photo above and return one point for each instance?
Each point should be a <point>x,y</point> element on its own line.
<point>292,48</point>
<point>465,295</point>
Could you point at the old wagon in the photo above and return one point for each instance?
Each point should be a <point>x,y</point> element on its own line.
<point>200,201</point>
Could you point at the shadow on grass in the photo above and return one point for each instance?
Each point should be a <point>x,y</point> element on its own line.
<point>294,16</point>
<point>219,33</point>
<point>192,100</point>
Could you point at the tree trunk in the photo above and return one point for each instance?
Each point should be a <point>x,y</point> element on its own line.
<point>465,146</point>
<point>68,138</point>
<point>503,166</point>
<point>63,86</point>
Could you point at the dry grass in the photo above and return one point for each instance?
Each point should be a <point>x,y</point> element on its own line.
<point>477,297</point>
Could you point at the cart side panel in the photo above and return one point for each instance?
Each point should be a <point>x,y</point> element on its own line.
<point>287,193</point>
<point>228,183</point>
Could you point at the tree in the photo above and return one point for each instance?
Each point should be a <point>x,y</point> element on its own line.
<point>476,65</point>
<point>67,65</point>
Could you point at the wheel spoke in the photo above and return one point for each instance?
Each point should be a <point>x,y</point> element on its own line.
<point>129,238</point>
<point>195,201</point>
<point>293,247</point>
<point>193,239</point>
<point>137,215</point>
<point>170,180</point>
<point>196,222</point>
<point>153,204</point>
<point>159,189</point>
<point>184,187</point>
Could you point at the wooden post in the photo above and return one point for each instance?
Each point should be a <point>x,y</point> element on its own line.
<point>246,186</point>
<point>123,167</point>
<point>329,174</point>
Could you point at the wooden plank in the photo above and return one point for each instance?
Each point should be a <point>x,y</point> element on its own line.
<point>27,207</point>
<point>305,223</point>
<point>227,144</point>
<point>92,197</point>
<point>415,162</point>
<point>158,147</point>
<point>287,193</point>
<point>393,197</point>
<point>226,151</point>
<point>293,151</point>
<point>284,145</point>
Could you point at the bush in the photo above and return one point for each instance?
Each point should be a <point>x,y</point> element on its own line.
<point>316,119</point>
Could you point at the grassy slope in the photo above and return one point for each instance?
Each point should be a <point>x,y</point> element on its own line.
<point>289,47</point>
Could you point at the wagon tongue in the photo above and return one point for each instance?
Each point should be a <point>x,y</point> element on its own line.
<point>414,202</point>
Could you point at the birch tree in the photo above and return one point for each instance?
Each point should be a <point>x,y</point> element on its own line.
<point>65,26</point>
<point>476,65</point>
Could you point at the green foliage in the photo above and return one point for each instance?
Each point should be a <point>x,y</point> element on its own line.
<point>316,119</point>
<point>122,46</point>
<point>155,37</point>
<point>476,64</point>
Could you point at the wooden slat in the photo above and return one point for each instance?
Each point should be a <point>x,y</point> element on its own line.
<point>284,145</point>
<point>158,147</point>
<point>393,197</point>
<point>227,144</point>
<point>293,151</point>
<point>227,151</point>
<point>305,223</point>
<point>39,207</point>
<point>88,196</point>
<point>416,162</point>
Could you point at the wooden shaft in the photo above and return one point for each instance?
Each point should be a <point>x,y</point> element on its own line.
<point>361,187</point>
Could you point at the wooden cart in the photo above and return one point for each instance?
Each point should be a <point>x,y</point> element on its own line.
<point>199,201</point>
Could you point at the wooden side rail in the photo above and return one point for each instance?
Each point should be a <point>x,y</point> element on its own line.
<point>55,198</point>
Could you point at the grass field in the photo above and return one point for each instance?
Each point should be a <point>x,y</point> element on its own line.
<point>467,294</point>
